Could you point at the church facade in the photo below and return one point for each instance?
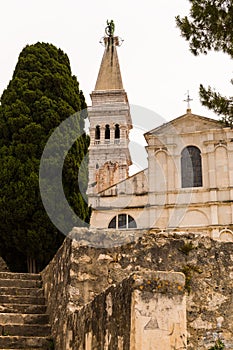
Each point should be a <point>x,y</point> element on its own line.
<point>188,185</point>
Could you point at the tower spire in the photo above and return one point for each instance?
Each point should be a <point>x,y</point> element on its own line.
<point>109,77</point>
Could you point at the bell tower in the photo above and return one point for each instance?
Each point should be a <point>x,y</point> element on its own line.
<point>110,122</point>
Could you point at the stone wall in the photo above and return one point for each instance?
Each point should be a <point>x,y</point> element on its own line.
<point>80,274</point>
<point>158,311</point>
<point>56,277</point>
<point>132,315</point>
<point>104,323</point>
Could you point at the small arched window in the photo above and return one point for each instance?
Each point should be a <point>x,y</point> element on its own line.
<point>117,131</point>
<point>191,168</point>
<point>107,132</point>
<point>97,132</point>
<point>122,221</point>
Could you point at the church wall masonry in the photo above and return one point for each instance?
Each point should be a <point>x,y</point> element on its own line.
<point>85,284</point>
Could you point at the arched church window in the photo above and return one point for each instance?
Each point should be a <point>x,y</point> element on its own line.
<point>97,132</point>
<point>191,168</point>
<point>226,235</point>
<point>122,221</point>
<point>117,131</point>
<point>107,132</point>
<point>112,223</point>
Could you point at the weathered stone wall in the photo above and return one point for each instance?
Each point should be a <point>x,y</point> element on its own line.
<point>138,313</point>
<point>133,315</point>
<point>56,277</point>
<point>79,273</point>
<point>104,323</point>
<point>158,311</point>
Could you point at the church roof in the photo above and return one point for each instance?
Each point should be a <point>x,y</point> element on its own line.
<point>187,123</point>
<point>109,77</point>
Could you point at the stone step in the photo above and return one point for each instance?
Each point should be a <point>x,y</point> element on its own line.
<point>12,299</point>
<point>20,283</point>
<point>34,292</point>
<point>7,342</point>
<point>21,319</point>
<point>22,308</point>
<point>24,323</point>
<point>34,330</point>
<point>19,276</point>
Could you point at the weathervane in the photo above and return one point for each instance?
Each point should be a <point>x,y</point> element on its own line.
<point>188,100</point>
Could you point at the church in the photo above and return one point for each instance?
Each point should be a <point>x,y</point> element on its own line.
<point>188,184</point>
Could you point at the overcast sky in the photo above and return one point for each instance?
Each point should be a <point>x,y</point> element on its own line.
<point>157,67</point>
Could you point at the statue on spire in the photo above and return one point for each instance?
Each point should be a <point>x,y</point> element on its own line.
<point>109,30</point>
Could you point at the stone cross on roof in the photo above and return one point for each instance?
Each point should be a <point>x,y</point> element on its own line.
<point>188,100</point>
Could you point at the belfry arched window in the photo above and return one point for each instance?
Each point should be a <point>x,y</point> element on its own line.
<point>117,131</point>
<point>107,132</point>
<point>191,168</point>
<point>122,221</point>
<point>97,132</point>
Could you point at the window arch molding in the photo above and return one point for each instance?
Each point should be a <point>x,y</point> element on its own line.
<point>191,167</point>
<point>122,221</point>
<point>226,235</point>
<point>220,145</point>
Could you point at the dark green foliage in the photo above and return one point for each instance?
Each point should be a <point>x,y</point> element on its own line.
<point>188,271</point>
<point>188,277</point>
<point>186,248</point>
<point>51,345</point>
<point>210,27</point>
<point>218,345</point>
<point>41,94</point>
<point>221,105</point>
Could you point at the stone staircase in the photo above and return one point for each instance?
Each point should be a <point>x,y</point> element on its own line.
<point>24,323</point>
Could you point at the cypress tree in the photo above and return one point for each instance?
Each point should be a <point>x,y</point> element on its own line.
<point>42,93</point>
